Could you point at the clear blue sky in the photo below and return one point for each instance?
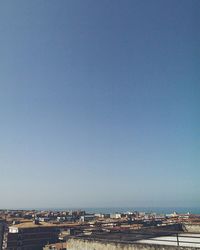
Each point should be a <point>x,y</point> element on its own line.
<point>99,103</point>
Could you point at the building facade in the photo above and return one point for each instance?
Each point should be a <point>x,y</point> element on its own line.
<point>30,238</point>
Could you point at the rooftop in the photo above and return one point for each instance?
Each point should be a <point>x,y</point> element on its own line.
<point>31,224</point>
<point>184,240</point>
<point>153,237</point>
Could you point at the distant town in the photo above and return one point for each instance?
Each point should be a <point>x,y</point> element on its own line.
<point>61,230</point>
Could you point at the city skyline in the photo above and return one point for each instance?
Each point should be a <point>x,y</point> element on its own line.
<point>99,103</point>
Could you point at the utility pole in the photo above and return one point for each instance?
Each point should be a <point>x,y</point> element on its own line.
<point>177,239</point>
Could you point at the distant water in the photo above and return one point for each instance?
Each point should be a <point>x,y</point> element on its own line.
<point>110,210</point>
<point>158,210</point>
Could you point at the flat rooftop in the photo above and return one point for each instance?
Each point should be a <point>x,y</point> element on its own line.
<point>153,237</point>
<point>31,224</point>
<point>184,240</point>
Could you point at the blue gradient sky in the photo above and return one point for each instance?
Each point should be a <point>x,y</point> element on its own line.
<point>99,103</point>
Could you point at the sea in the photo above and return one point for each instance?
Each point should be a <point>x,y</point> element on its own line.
<point>157,210</point>
<point>111,210</point>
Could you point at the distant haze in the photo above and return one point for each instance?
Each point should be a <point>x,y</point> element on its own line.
<point>99,103</point>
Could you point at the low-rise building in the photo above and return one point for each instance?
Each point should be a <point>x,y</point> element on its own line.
<point>31,236</point>
<point>1,232</point>
<point>87,218</point>
<point>115,216</point>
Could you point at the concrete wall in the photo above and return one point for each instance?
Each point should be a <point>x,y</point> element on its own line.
<point>173,227</point>
<point>77,244</point>
<point>191,228</point>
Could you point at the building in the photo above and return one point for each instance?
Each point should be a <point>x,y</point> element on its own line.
<point>1,232</point>
<point>87,218</point>
<point>116,216</point>
<point>30,236</point>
